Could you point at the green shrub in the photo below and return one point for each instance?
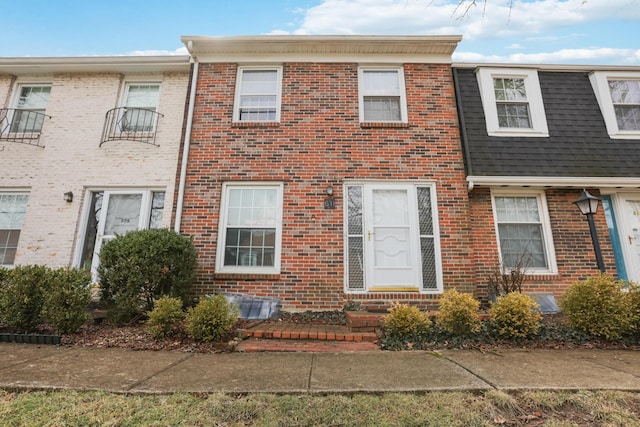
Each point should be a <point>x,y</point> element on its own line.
<point>634,300</point>
<point>68,294</point>
<point>458,313</point>
<point>515,316</point>
<point>211,319</point>
<point>22,298</point>
<point>165,318</point>
<point>141,266</point>
<point>600,307</point>
<point>405,322</point>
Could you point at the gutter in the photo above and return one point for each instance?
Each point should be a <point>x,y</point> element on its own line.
<point>187,142</point>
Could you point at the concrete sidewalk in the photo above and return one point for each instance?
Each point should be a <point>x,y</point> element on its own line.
<point>28,366</point>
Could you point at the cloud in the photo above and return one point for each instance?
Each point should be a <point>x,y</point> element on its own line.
<point>582,56</point>
<point>179,51</point>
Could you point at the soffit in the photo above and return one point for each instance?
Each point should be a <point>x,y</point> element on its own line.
<point>421,49</point>
<point>94,64</point>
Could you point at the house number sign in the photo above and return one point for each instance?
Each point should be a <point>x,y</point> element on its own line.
<point>329,203</point>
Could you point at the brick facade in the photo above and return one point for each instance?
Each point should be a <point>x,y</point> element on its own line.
<point>319,141</point>
<point>71,158</point>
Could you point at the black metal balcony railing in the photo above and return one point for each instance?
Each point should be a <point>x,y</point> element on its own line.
<point>23,126</point>
<point>131,124</point>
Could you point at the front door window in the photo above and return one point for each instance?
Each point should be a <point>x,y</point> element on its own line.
<point>630,235</point>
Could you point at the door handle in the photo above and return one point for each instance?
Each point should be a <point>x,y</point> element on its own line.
<point>630,240</point>
<point>369,235</point>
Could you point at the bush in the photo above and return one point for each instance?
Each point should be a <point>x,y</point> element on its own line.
<point>141,266</point>
<point>211,319</point>
<point>165,317</point>
<point>405,322</point>
<point>22,298</point>
<point>599,307</point>
<point>458,313</point>
<point>33,294</point>
<point>68,294</point>
<point>515,316</point>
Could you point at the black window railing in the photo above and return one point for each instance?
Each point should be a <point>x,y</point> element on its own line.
<point>131,124</point>
<point>23,126</point>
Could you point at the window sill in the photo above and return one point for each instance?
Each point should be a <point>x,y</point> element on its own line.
<point>11,136</point>
<point>525,133</point>
<point>367,125</point>
<point>255,124</point>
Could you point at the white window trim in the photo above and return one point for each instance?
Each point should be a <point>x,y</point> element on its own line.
<point>538,118</point>
<point>544,219</point>
<point>236,101</point>
<point>600,83</point>
<point>403,96</point>
<point>19,84</point>
<point>222,232</point>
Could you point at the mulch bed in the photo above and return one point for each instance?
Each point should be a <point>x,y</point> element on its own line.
<point>554,335</point>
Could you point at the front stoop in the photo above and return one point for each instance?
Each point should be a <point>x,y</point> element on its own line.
<point>363,321</point>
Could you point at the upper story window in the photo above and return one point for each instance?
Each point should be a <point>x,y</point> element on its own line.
<point>258,93</point>
<point>141,102</point>
<point>12,210</point>
<point>136,119</point>
<point>382,95</point>
<point>523,230</point>
<point>250,228</point>
<point>618,95</point>
<point>512,102</point>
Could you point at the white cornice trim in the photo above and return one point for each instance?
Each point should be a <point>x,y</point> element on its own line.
<point>361,49</point>
<point>552,181</point>
<point>94,64</point>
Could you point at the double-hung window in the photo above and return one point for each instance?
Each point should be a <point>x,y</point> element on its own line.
<point>30,107</point>
<point>12,209</point>
<point>140,102</point>
<point>250,228</point>
<point>382,95</point>
<point>523,231</point>
<point>512,102</point>
<point>618,95</point>
<point>258,93</point>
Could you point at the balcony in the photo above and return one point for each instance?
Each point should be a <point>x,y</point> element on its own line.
<point>21,126</point>
<point>131,124</point>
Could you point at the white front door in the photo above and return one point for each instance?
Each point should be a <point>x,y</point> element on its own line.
<point>392,238</point>
<point>121,212</point>
<point>630,234</point>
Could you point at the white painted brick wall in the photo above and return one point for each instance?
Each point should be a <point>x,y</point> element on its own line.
<point>73,161</point>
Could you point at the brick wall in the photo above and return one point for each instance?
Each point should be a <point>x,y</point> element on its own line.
<point>318,141</point>
<point>72,160</point>
<point>572,242</point>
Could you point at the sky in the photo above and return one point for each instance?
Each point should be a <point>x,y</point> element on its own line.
<point>527,31</point>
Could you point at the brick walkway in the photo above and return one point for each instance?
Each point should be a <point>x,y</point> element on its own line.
<point>253,345</point>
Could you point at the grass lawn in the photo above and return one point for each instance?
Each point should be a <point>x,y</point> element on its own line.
<point>560,408</point>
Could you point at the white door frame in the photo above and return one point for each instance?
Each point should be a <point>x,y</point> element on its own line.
<point>626,234</point>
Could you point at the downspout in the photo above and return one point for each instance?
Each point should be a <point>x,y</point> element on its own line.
<point>463,129</point>
<point>187,141</point>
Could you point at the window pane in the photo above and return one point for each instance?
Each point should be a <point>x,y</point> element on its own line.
<point>424,211</point>
<point>34,97</point>
<point>354,195</point>
<point>259,82</point>
<point>429,277</point>
<point>143,96</point>
<point>510,89</point>
<point>12,210</point>
<point>123,213</point>
<point>628,118</point>
<point>355,272</point>
<point>382,109</point>
<point>157,207</point>
<point>513,115</point>
<point>522,242</point>
<point>250,247</point>
<point>625,91</point>
<point>380,83</point>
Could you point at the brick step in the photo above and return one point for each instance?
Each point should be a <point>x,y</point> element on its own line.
<point>308,332</point>
<point>254,345</point>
